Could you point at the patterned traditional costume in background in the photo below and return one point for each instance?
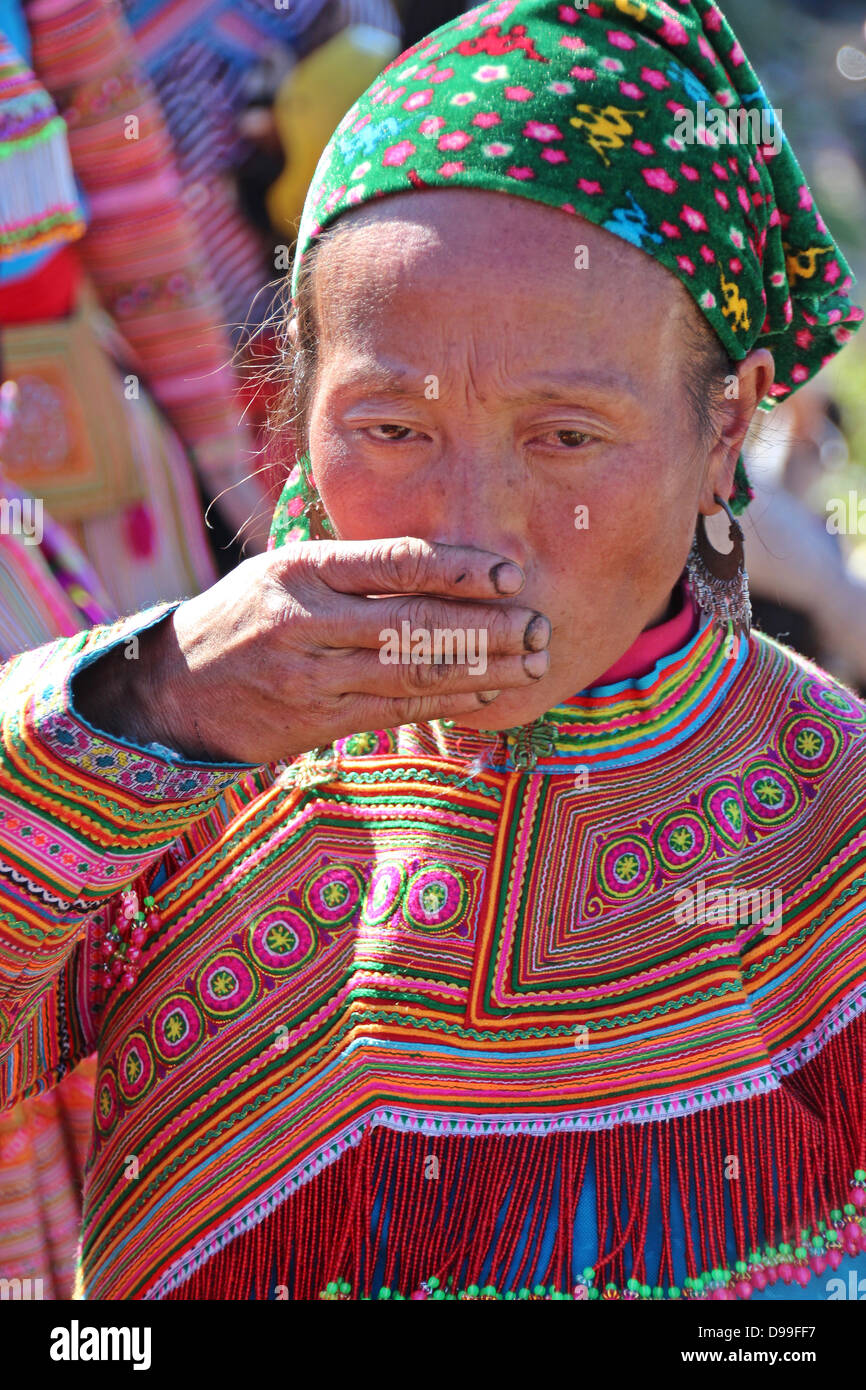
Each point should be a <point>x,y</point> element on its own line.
<point>411,1021</point>
<point>39,205</point>
<point>47,590</point>
<point>199,58</point>
<point>102,457</point>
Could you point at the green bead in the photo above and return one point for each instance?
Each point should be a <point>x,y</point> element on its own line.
<point>344,1287</point>
<point>594,1293</point>
<point>860,1174</point>
<point>539,1290</point>
<point>433,1282</point>
<point>473,1291</point>
<point>589,1274</point>
<point>439,1293</point>
<point>835,1214</point>
<point>658,1291</point>
<point>673,1291</point>
<point>523,1293</point>
<point>489,1291</point>
<point>510,1295</point>
<point>741,1267</point>
<point>632,1284</point>
<point>801,1252</point>
<point>384,1292</point>
<point>608,1287</point>
<point>849,1209</point>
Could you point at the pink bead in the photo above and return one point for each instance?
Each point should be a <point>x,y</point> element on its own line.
<point>154,920</point>
<point>108,947</point>
<point>851,1232</point>
<point>129,910</point>
<point>858,1197</point>
<point>744,1288</point>
<point>772,1274</point>
<point>759,1279</point>
<point>786,1272</point>
<point>802,1275</point>
<point>128,979</point>
<point>133,954</point>
<point>834,1258</point>
<point>818,1263</point>
<point>419,1294</point>
<point>718,1294</point>
<point>117,968</point>
<point>136,936</point>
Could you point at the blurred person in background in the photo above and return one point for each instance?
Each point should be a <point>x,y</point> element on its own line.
<point>806,592</point>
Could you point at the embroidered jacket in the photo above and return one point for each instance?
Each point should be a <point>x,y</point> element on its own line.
<point>410,1018</point>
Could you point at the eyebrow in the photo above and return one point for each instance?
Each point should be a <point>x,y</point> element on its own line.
<point>390,381</point>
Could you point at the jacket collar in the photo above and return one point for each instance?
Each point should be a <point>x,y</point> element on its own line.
<point>607,725</point>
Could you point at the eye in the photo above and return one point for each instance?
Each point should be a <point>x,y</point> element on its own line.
<point>567,439</point>
<point>396,433</point>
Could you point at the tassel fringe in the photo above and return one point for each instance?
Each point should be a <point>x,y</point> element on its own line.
<point>777,1180</point>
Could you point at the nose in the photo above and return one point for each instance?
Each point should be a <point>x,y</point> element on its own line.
<point>480,496</point>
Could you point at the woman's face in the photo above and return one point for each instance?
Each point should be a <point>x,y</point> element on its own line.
<point>496,373</point>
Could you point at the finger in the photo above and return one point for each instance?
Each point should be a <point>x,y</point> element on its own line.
<point>362,673</point>
<point>405,626</point>
<point>407,564</point>
<point>373,712</point>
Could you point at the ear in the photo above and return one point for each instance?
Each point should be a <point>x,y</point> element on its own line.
<point>743,392</point>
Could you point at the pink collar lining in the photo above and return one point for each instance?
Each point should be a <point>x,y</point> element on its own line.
<point>655,642</point>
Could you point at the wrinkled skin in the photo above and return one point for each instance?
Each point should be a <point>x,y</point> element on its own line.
<point>480,291</point>
<point>531,388</point>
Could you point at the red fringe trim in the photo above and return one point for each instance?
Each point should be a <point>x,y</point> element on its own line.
<point>797,1149</point>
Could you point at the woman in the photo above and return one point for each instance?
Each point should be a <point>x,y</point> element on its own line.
<point>551,985</point>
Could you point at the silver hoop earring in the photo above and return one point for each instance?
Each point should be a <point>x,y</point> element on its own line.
<point>718,579</point>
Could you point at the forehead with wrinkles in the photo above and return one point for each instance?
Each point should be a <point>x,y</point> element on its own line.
<point>501,276</point>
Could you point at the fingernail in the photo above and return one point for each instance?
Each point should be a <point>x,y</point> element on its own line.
<point>537,633</point>
<point>536,663</point>
<point>507,578</point>
<point>488,696</point>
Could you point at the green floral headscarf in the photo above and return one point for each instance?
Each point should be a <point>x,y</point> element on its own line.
<point>645,118</point>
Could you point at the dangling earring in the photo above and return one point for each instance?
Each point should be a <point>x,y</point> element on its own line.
<point>717,579</point>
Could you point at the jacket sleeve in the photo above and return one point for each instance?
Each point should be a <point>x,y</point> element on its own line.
<point>82,815</point>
